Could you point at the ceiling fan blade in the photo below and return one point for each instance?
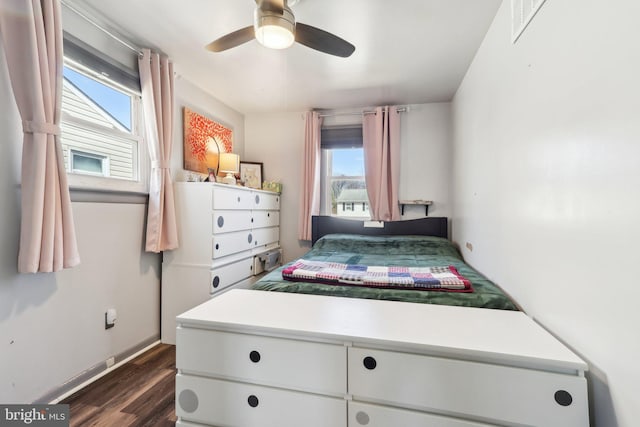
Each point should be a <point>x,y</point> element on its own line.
<point>232,39</point>
<point>320,40</point>
<point>275,6</point>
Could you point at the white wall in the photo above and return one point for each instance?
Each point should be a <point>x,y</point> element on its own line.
<point>426,158</point>
<point>547,161</point>
<point>277,140</point>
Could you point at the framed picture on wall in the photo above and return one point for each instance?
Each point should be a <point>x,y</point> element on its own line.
<point>204,140</point>
<point>251,174</point>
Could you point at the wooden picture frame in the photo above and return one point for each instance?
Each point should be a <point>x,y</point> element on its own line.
<point>251,174</point>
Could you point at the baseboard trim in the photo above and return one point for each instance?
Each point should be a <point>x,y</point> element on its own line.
<point>96,372</point>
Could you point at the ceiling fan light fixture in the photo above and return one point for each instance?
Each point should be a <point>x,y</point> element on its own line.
<point>273,30</point>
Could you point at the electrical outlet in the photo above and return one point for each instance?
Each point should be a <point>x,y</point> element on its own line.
<point>469,246</point>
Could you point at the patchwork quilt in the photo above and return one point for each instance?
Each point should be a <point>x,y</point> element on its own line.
<point>437,278</point>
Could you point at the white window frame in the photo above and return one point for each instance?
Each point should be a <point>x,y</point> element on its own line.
<point>84,181</point>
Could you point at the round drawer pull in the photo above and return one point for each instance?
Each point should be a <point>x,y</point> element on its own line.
<point>188,400</point>
<point>268,214</point>
<point>362,418</point>
<point>217,246</point>
<point>254,356</point>
<point>369,363</point>
<point>238,199</point>
<point>257,199</point>
<point>252,220</point>
<point>220,221</point>
<point>215,282</point>
<point>249,238</point>
<point>253,401</point>
<point>563,398</point>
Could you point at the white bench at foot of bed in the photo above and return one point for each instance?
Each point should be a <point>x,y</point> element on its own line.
<point>254,358</point>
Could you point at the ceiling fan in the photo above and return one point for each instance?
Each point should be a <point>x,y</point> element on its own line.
<point>275,27</point>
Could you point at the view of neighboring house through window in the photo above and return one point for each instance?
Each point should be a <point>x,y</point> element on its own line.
<point>343,186</point>
<point>100,135</point>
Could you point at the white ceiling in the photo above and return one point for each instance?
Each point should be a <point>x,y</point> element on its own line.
<point>407,51</point>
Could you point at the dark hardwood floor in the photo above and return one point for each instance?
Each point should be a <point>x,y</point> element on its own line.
<point>139,393</point>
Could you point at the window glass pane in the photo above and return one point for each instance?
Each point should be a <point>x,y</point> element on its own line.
<point>116,104</point>
<point>344,184</point>
<point>120,150</point>
<point>348,162</point>
<point>82,163</point>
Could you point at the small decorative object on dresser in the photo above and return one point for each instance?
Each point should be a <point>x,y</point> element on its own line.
<point>251,174</point>
<point>212,175</point>
<point>276,187</point>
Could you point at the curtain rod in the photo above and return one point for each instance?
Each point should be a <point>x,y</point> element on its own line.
<point>399,110</point>
<point>101,28</point>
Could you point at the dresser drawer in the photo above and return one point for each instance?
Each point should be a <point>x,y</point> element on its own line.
<point>222,277</point>
<point>231,198</point>
<point>265,219</point>
<point>266,201</point>
<point>231,243</point>
<point>362,414</point>
<point>225,403</point>
<point>229,221</point>
<point>182,423</point>
<point>505,394</point>
<point>265,236</point>
<point>300,365</point>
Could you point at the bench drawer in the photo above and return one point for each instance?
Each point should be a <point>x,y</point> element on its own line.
<point>363,414</point>
<point>456,387</point>
<point>224,403</point>
<point>300,365</point>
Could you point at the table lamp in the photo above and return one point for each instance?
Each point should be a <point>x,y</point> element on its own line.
<point>229,163</point>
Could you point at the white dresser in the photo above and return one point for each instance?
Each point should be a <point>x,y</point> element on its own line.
<point>256,358</point>
<point>223,232</point>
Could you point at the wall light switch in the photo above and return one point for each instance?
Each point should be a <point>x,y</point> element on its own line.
<point>110,318</point>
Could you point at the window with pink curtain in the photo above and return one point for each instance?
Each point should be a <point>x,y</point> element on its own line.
<point>310,189</point>
<point>381,142</point>
<point>156,78</point>
<point>32,34</point>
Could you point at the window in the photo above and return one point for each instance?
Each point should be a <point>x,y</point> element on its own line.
<point>101,122</point>
<point>88,163</point>
<point>342,179</point>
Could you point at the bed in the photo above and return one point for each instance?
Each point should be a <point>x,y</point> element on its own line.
<point>414,243</point>
<point>304,353</point>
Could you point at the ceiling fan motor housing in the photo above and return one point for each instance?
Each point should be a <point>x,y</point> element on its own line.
<point>274,30</point>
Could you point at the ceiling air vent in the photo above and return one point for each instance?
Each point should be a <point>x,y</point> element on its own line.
<point>522,12</point>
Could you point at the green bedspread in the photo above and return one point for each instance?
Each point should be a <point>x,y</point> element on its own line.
<point>406,251</point>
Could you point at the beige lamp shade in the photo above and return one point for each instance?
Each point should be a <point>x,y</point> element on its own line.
<point>229,163</point>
